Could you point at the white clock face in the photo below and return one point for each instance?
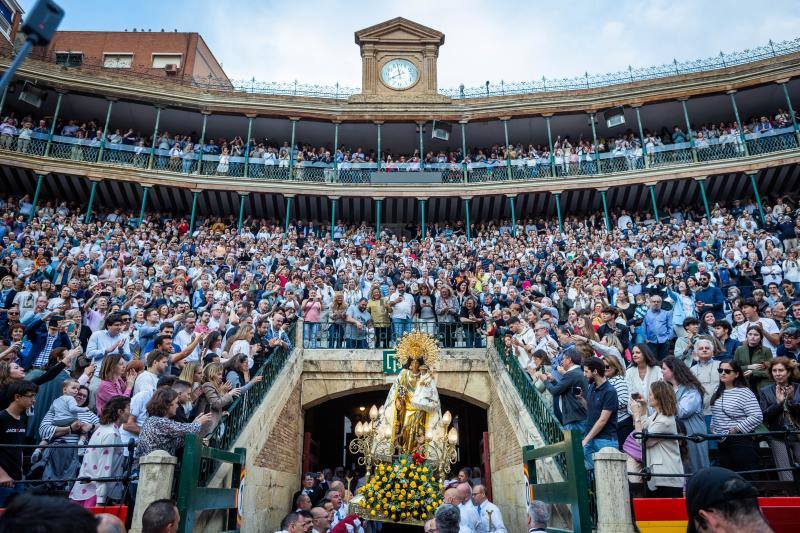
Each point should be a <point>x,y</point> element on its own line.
<point>399,74</point>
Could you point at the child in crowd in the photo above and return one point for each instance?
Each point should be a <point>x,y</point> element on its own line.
<point>65,412</point>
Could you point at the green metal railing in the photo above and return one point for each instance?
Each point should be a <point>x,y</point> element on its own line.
<point>240,411</point>
<point>194,495</point>
<point>538,408</point>
<point>574,490</point>
<point>527,169</point>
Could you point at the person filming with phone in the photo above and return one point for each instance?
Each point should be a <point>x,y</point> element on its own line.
<point>567,391</point>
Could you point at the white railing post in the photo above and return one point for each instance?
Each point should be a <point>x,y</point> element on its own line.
<point>156,474</point>
<point>611,489</point>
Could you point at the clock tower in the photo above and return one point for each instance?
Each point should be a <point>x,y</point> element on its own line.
<point>399,61</point>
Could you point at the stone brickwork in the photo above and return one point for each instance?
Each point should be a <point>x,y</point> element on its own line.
<point>280,451</point>
<point>505,450</point>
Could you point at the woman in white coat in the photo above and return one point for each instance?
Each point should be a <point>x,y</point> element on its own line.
<point>663,456</point>
<point>645,371</point>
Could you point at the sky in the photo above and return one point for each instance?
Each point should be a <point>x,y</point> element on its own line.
<point>312,41</point>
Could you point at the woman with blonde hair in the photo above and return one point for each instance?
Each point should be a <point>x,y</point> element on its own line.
<point>338,317</point>
<point>239,344</point>
<point>193,373</point>
<point>216,395</point>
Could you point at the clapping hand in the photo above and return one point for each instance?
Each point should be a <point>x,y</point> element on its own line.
<point>226,387</point>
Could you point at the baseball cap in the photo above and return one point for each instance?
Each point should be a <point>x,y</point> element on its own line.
<point>712,486</point>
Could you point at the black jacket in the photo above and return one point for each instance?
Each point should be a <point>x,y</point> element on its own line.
<point>565,402</point>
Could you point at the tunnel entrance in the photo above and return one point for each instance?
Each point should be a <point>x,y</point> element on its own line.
<point>329,430</point>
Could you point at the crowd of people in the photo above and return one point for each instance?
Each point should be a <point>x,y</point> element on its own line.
<point>570,155</point>
<point>121,329</point>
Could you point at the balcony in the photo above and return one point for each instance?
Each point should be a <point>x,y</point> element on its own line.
<point>143,164</point>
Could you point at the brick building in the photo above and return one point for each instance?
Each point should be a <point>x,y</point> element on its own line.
<point>178,55</point>
<point>10,16</point>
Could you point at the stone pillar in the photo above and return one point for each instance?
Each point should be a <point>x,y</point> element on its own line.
<point>611,488</point>
<point>156,473</point>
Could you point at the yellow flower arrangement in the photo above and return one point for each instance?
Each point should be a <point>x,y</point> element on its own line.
<point>401,491</point>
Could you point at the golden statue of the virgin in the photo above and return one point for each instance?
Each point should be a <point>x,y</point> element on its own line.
<point>412,409</point>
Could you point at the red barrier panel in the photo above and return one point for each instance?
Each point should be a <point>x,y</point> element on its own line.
<point>782,513</point>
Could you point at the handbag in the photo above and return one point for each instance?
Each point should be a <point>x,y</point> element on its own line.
<point>632,447</point>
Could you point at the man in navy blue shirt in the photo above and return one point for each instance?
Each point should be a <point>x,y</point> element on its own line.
<point>709,298</point>
<point>601,411</point>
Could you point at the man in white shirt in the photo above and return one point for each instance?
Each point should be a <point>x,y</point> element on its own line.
<point>185,337</point>
<point>339,507</point>
<point>523,341</point>
<point>156,366</point>
<point>772,333</point>
<point>469,515</point>
<point>402,305</point>
<point>489,513</point>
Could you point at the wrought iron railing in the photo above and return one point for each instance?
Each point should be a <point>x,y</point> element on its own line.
<point>240,411</point>
<point>586,81</point>
<point>557,167</point>
<point>540,411</point>
<point>335,335</point>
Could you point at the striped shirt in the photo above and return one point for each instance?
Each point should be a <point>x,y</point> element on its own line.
<point>737,407</point>
<point>623,397</point>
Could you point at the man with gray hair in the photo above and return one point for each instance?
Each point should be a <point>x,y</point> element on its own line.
<point>543,339</point>
<point>448,519</point>
<point>538,517</point>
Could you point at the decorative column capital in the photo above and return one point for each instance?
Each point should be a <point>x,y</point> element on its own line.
<point>511,196</point>
<point>294,119</point>
<point>466,198</point>
<point>782,81</point>
<point>96,179</point>
<point>251,115</point>
<point>378,198</point>
<point>289,195</point>
<point>197,191</point>
<point>334,198</point>
<point>547,115</point>
<point>463,121</point>
<point>505,118</point>
<point>601,190</point>
<point>378,122</point>
<point>242,194</point>
<point>731,91</point>
<point>699,178</point>
<point>205,112</point>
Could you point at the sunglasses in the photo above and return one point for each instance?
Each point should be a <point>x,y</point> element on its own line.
<point>725,370</point>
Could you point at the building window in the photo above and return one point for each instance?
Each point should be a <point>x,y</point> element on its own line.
<point>117,60</point>
<point>69,59</point>
<point>162,60</point>
<point>6,18</point>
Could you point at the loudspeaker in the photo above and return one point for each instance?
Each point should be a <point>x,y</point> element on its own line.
<point>32,95</point>
<point>614,117</point>
<point>441,130</point>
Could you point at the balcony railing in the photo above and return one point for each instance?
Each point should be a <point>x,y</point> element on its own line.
<point>552,168</point>
<point>586,81</point>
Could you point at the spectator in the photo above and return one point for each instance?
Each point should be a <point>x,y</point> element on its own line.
<point>735,410</point>
<point>448,518</point>
<point>46,513</point>
<point>689,395</point>
<point>708,297</point>
<point>358,320</point>
<point>601,411</point>
<point>684,345</point>
<point>105,462</point>
<point>115,380</point>
<point>217,396</point>
<point>43,340</point>
<point>722,332</point>
<point>21,396</point>
<point>752,356</point>
<point>569,410</point>
<point>538,517</point>
<point>616,376</point>
<point>658,328</point>
<point>109,341</point>
<point>780,402</point>
<point>379,312</point>
<point>402,309</point>
<point>663,455</point>
<point>706,372</point>
<point>238,373</point>
<point>161,516</point>
<point>719,500</point>
<point>645,371</point>
<point>160,432</point>
<point>770,331</point>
